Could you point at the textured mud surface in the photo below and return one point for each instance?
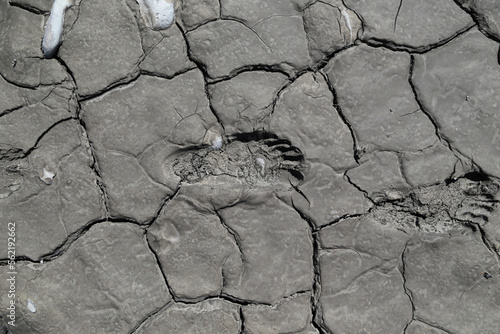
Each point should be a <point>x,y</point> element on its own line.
<point>256,158</point>
<point>291,166</point>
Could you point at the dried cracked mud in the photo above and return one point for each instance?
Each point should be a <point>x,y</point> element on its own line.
<point>288,166</point>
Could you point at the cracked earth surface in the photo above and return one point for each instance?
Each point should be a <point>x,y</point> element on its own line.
<point>289,166</point>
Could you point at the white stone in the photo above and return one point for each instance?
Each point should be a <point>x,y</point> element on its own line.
<point>157,14</point>
<point>47,175</point>
<point>217,143</point>
<point>54,27</point>
<point>31,306</point>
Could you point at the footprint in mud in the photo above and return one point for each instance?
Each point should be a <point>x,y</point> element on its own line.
<point>468,200</point>
<point>256,159</point>
<point>479,201</point>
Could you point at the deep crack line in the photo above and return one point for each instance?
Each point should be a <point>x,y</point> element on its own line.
<point>75,236</point>
<point>28,8</point>
<point>446,142</point>
<point>234,19</point>
<point>95,166</point>
<point>406,289</point>
<point>151,315</point>
<point>202,68</point>
<point>400,47</point>
<point>35,146</point>
<point>167,200</point>
<point>397,15</point>
<point>358,152</point>
<point>122,83</point>
<point>434,326</point>
<point>160,267</point>
<point>236,239</point>
<point>477,18</point>
<point>242,321</point>
<point>316,308</point>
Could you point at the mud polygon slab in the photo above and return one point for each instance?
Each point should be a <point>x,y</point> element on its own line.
<point>375,96</point>
<point>286,38</point>
<point>41,5</point>
<point>305,115</point>
<point>92,54</point>
<point>10,96</point>
<point>375,302</point>
<point>196,251</point>
<point>444,277</point>
<point>431,165</point>
<point>32,113</point>
<point>327,196</point>
<point>364,235</point>
<point>269,40</point>
<point>416,25</point>
<point>276,249</point>
<point>195,12</point>
<point>418,327</point>
<point>464,104</point>
<point>46,213</point>
<point>244,103</point>
<point>23,128</point>
<point>377,173</point>
<point>486,13</point>
<point>209,316</point>
<point>131,192</point>
<point>172,46</point>
<point>224,46</point>
<point>254,11</point>
<point>355,253</point>
<point>109,269</point>
<point>21,59</point>
<point>291,316</point>
<point>324,38</point>
<point>149,110</point>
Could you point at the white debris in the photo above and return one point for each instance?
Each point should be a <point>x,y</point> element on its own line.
<point>217,143</point>
<point>47,175</point>
<point>348,22</point>
<point>54,27</point>
<point>262,164</point>
<point>213,139</point>
<point>394,195</point>
<point>31,306</point>
<point>157,14</point>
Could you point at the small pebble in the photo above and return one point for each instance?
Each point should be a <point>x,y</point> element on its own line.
<point>31,306</point>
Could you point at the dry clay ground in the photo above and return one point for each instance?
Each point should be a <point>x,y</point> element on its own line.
<point>356,189</point>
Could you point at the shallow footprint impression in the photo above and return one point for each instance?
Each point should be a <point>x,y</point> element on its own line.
<point>468,201</point>
<point>257,159</point>
<point>158,14</point>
